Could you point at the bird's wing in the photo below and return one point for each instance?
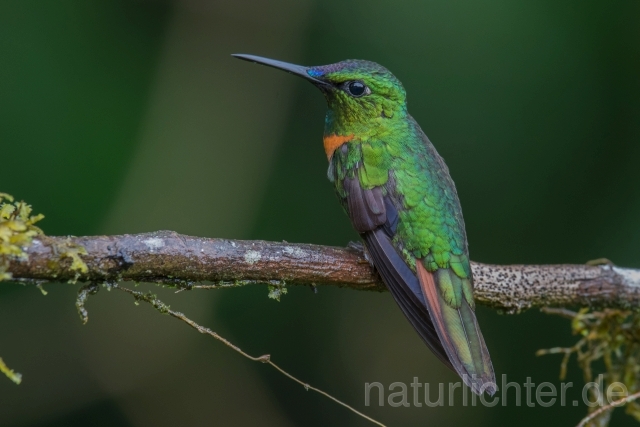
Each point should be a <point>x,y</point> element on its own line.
<point>438,304</point>
<point>375,217</point>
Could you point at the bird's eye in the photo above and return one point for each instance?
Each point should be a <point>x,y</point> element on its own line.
<point>357,89</point>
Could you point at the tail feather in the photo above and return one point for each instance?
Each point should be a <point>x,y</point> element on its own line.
<point>405,288</point>
<point>457,327</point>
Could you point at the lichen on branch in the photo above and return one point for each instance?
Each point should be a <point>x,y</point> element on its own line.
<point>17,230</point>
<point>17,234</point>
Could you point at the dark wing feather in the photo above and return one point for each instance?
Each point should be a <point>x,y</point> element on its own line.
<point>366,207</point>
<point>375,217</point>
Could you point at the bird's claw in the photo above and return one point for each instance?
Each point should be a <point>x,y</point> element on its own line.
<point>365,252</point>
<point>358,246</point>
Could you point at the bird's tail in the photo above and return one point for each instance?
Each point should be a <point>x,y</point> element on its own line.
<point>449,300</point>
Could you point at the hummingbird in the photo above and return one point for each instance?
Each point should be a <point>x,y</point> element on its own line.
<point>400,198</point>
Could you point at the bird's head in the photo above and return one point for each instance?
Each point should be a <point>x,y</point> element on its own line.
<point>358,92</point>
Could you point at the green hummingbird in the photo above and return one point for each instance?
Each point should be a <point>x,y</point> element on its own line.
<point>398,193</point>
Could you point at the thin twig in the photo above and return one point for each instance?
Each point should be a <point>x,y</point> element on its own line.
<point>14,376</point>
<point>610,406</point>
<point>163,308</point>
<point>309,387</point>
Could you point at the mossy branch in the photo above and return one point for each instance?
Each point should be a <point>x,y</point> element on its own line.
<point>185,261</point>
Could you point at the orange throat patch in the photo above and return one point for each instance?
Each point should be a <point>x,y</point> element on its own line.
<point>332,142</point>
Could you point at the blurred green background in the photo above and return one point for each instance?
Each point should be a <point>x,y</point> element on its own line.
<point>130,116</point>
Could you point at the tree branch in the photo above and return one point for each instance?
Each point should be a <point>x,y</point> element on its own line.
<point>184,261</point>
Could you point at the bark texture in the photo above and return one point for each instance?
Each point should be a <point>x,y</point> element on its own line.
<point>172,258</point>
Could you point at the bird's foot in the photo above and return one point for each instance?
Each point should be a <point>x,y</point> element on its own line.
<point>358,246</point>
<point>365,252</point>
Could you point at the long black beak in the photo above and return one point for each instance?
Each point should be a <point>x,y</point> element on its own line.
<point>298,70</point>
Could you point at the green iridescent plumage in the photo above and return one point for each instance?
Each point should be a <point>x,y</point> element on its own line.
<point>391,145</point>
<point>400,197</point>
